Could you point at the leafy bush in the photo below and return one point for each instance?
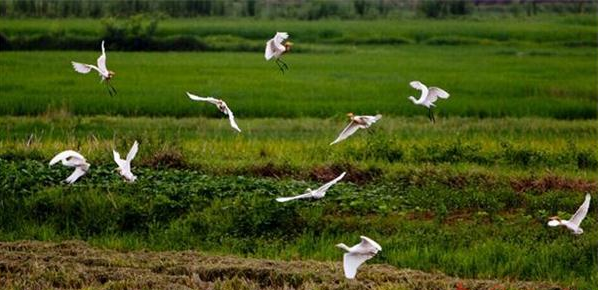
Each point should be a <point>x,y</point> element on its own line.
<point>135,33</point>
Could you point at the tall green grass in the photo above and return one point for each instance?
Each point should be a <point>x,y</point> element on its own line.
<point>300,147</point>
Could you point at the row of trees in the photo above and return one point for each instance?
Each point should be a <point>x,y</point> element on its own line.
<point>297,9</point>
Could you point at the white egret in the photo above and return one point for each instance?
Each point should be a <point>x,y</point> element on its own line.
<point>221,105</point>
<point>357,255</point>
<point>573,223</point>
<point>72,158</point>
<point>124,168</point>
<point>316,194</point>
<point>275,48</point>
<point>356,122</point>
<point>105,74</point>
<point>428,97</point>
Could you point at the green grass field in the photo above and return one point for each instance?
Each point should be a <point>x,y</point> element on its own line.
<point>483,82</point>
<point>468,196</point>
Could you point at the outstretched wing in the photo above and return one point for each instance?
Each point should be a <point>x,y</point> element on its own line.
<point>351,263</point>
<point>581,213</point>
<point>275,44</point>
<point>117,159</point>
<point>83,68</point>
<point>132,152</point>
<point>200,99</point>
<point>323,189</point>
<point>75,175</point>
<point>102,60</point>
<point>284,199</point>
<point>348,131</point>
<point>232,119</point>
<point>422,88</point>
<point>269,51</point>
<point>280,37</point>
<point>434,93</point>
<point>65,155</point>
<point>371,119</point>
<point>370,244</point>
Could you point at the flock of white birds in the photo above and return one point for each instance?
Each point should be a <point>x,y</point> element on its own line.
<point>275,48</point>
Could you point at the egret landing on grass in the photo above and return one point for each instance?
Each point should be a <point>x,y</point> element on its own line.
<point>316,194</point>
<point>357,255</point>
<point>124,168</point>
<point>573,223</point>
<point>72,158</point>
<point>221,105</point>
<point>428,97</point>
<point>104,73</point>
<point>275,48</point>
<point>356,122</point>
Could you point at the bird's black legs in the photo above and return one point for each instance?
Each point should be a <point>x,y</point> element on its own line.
<point>282,65</point>
<point>108,89</point>
<point>431,115</point>
<point>111,89</point>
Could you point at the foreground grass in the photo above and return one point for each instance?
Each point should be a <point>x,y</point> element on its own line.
<point>479,192</point>
<point>492,82</point>
<point>59,266</point>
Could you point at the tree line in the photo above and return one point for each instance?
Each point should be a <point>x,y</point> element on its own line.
<point>296,9</point>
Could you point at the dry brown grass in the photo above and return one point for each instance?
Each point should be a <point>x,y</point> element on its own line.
<point>75,265</point>
<point>552,182</point>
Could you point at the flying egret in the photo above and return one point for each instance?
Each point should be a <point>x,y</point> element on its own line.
<point>221,105</point>
<point>275,48</point>
<point>356,122</point>
<point>72,158</point>
<point>124,168</point>
<point>428,97</point>
<point>316,194</point>
<point>105,74</point>
<point>357,255</point>
<point>573,223</point>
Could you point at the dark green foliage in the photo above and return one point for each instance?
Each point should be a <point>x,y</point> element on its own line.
<point>306,9</point>
<point>461,217</point>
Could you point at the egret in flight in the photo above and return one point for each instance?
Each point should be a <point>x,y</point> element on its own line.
<point>573,223</point>
<point>428,97</point>
<point>105,74</point>
<point>356,122</point>
<point>315,194</point>
<point>275,48</point>
<point>72,158</point>
<point>124,165</point>
<point>357,255</point>
<point>221,105</point>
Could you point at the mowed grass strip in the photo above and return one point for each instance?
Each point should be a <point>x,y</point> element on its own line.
<point>60,267</point>
<point>482,81</point>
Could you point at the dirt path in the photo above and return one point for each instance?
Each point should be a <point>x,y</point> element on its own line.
<point>74,265</point>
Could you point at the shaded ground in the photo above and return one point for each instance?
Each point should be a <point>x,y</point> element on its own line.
<point>74,264</point>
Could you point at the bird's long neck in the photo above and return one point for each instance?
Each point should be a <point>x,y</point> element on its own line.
<point>343,246</point>
<point>413,99</point>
